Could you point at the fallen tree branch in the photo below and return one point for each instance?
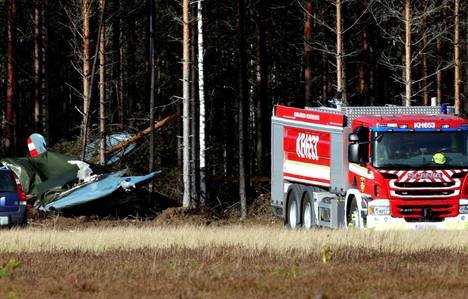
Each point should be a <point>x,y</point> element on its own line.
<point>141,134</point>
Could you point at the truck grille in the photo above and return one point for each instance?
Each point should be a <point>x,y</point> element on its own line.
<point>422,189</point>
<point>422,210</point>
<point>426,192</point>
<point>424,195</point>
<point>424,184</point>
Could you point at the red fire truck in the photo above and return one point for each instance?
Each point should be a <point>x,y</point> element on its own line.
<point>370,167</point>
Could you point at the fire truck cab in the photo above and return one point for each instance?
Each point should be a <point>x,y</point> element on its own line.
<point>370,167</point>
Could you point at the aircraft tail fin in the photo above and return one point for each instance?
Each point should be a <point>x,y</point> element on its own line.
<point>36,145</point>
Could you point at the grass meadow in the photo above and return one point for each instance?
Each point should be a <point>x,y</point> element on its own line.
<point>275,239</point>
<point>234,261</point>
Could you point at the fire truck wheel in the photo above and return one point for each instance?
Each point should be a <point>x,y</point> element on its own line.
<point>353,214</point>
<point>292,217</point>
<point>307,214</point>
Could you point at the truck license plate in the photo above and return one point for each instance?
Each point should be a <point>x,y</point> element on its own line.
<point>3,220</point>
<point>426,226</point>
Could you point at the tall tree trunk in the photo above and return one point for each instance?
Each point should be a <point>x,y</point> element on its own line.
<point>201,99</point>
<point>372,85</point>
<point>121,82</point>
<point>88,86</point>
<point>372,66</point>
<point>308,22</point>
<point>102,88</point>
<point>386,84</point>
<point>339,53</point>
<point>86,11</point>
<point>425,94</point>
<point>363,68</point>
<point>10,143</point>
<point>45,69</point>
<point>186,102</point>
<point>383,71</point>
<point>407,78</point>
<point>242,110</point>
<point>344,85</point>
<point>457,75</point>
<point>37,65</point>
<point>194,133</point>
<point>147,85</point>
<point>262,87</point>
<point>117,67</point>
<point>151,66</point>
<point>325,83</point>
<point>465,88</point>
<point>131,50</point>
<point>439,71</point>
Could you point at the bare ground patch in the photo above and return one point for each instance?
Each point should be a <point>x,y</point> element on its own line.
<point>232,272</point>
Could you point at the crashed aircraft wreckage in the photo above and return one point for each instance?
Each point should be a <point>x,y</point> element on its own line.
<point>56,182</point>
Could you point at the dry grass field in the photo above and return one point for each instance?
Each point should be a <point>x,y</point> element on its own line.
<point>252,237</point>
<point>153,261</point>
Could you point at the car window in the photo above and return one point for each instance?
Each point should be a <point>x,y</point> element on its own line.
<point>7,184</point>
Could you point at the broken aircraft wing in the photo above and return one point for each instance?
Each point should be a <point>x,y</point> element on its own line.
<point>104,186</point>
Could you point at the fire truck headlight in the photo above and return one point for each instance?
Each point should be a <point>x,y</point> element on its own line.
<point>463,209</point>
<point>379,211</point>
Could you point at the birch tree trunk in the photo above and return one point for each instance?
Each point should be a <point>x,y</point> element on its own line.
<point>86,52</point>
<point>102,88</point>
<point>407,53</point>
<point>10,143</point>
<point>194,117</point>
<point>457,75</point>
<point>201,99</point>
<point>186,103</point>
<point>308,22</point>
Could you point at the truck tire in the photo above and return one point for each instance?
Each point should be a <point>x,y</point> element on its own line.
<point>308,217</point>
<point>353,214</point>
<point>308,212</point>
<point>292,216</point>
<point>293,208</point>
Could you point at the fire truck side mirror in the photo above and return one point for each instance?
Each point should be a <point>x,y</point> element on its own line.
<point>353,153</point>
<point>357,149</point>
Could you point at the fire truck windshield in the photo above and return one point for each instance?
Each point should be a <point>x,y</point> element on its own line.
<point>420,150</point>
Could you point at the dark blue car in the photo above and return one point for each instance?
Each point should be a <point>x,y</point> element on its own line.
<point>13,202</point>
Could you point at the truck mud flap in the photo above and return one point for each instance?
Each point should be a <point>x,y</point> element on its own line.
<point>330,210</point>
